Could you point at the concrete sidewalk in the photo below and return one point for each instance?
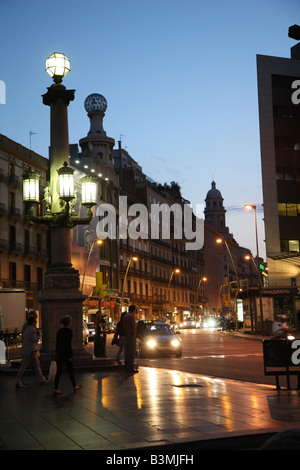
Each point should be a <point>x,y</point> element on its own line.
<point>155,409</point>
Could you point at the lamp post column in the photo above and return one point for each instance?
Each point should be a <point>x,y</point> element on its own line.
<point>61,294</point>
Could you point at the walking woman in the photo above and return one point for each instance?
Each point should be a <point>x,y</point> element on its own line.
<point>64,353</point>
<point>30,350</point>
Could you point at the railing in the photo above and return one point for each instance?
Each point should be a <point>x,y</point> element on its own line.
<point>26,250</point>
<point>13,344</point>
<point>13,283</point>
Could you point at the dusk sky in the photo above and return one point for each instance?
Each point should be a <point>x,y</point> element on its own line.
<point>179,77</point>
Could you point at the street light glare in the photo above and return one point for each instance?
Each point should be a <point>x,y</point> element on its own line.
<point>249,206</point>
<point>219,240</point>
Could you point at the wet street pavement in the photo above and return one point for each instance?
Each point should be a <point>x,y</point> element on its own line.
<point>153,409</point>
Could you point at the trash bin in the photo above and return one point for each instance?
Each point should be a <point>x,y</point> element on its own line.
<point>278,360</point>
<point>99,346</point>
<point>268,327</point>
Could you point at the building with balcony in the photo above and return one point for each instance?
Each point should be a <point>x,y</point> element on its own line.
<point>163,280</point>
<point>23,246</point>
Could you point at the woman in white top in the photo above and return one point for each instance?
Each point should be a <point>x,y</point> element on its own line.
<point>30,346</point>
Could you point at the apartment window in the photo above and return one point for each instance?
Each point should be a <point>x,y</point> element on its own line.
<point>286,174</point>
<point>291,209</point>
<point>27,276</point>
<point>11,170</point>
<point>12,274</point>
<point>11,201</point>
<point>291,246</point>
<point>39,277</point>
<point>294,246</point>
<point>288,209</point>
<point>281,208</point>
<point>39,243</point>
<point>26,239</point>
<point>12,237</point>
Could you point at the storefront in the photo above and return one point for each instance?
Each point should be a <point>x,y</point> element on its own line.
<point>108,308</point>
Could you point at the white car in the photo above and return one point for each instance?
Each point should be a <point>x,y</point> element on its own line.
<point>210,323</point>
<point>159,339</point>
<point>190,322</point>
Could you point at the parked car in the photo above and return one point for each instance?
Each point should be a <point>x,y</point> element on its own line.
<point>110,327</point>
<point>92,331</point>
<point>85,332</point>
<point>159,339</point>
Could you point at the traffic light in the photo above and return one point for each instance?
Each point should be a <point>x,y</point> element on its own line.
<point>100,287</point>
<point>226,299</point>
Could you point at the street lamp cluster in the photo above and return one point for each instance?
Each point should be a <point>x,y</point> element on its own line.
<point>62,285</point>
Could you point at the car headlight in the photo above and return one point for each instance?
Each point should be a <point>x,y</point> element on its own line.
<point>151,343</point>
<point>175,343</point>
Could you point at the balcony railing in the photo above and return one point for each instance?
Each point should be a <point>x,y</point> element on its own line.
<point>26,250</point>
<point>27,285</point>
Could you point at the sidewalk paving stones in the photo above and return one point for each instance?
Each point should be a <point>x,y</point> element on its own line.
<point>154,409</point>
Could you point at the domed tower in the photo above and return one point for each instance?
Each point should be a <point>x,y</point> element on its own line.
<point>96,147</point>
<point>214,209</point>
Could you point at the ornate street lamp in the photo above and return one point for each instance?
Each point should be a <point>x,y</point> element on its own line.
<point>66,182</point>
<point>202,279</point>
<point>89,190</point>
<point>177,271</point>
<point>57,66</point>
<point>132,258</point>
<point>99,242</point>
<point>31,186</point>
<point>61,294</point>
<point>253,207</point>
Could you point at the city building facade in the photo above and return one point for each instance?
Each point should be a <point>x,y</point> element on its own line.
<point>157,273</point>
<point>230,268</point>
<point>279,117</point>
<point>24,247</point>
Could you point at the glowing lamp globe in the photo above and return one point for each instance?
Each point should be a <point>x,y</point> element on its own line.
<point>57,66</point>
<point>66,182</point>
<point>31,186</point>
<point>89,190</point>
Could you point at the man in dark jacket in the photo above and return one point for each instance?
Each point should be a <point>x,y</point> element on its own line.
<point>129,325</point>
<point>120,334</point>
